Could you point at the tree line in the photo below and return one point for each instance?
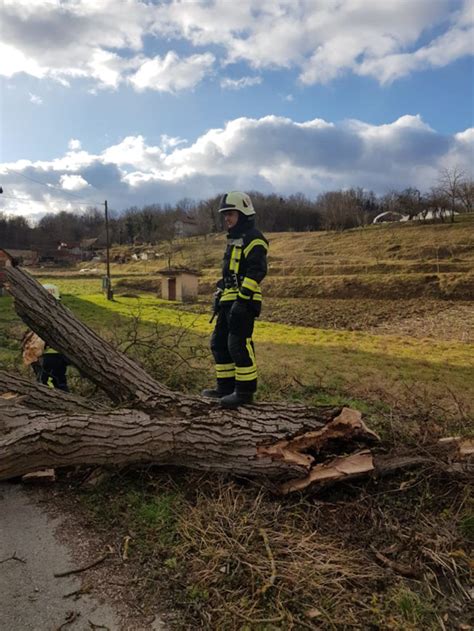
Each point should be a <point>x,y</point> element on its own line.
<point>332,210</point>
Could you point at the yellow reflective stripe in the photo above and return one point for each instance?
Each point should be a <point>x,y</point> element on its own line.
<point>245,370</point>
<point>257,297</point>
<point>235,259</point>
<point>227,297</point>
<point>231,262</point>
<point>250,283</point>
<point>50,351</point>
<point>225,366</point>
<point>50,382</point>
<point>253,244</point>
<point>251,353</point>
<point>247,373</point>
<point>224,374</point>
<point>246,377</point>
<point>243,296</point>
<point>225,370</point>
<point>248,345</point>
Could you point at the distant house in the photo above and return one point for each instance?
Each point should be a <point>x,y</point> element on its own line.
<point>59,256</point>
<point>88,244</point>
<point>179,284</point>
<point>72,248</point>
<point>9,256</point>
<point>24,257</point>
<point>186,226</point>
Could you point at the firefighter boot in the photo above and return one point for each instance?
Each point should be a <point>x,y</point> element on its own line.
<point>218,392</point>
<point>237,398</point>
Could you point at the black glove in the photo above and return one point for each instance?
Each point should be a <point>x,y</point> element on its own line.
<point>216,302</point>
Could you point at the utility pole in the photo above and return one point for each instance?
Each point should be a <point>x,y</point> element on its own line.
<point>108,280</point>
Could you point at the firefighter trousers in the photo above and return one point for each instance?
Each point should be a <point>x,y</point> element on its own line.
<point>233,349</point>
<point>51,370</point>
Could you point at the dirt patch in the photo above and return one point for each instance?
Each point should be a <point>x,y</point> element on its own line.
<point>440,319</point>
<point>415,317</point>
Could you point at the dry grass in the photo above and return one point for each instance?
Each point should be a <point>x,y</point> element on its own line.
<point>226,554</point>
<point>259,562</point>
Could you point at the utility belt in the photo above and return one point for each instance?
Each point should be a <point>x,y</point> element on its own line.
<point>232,283</point>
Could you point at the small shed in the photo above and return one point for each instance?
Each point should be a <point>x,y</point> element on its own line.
<point>179,284</point>
<point>186,226</point>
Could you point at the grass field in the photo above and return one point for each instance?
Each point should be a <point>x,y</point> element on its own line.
<point>380,319</point>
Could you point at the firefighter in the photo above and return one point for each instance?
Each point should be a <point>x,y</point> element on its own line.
<point>237,302</point>
<point>49,365</point>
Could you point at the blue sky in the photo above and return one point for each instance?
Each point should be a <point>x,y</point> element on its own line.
<point>140,102</point>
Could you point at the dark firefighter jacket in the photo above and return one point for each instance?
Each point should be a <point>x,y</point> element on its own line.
<point>243,268</point>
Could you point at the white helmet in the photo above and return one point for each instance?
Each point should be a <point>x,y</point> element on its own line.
<point>53,290</point>
<point>235,200</point>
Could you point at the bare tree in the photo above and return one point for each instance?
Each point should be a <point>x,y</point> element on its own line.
<point>450,183</point>
<point>410,202</point>
<point>466,196</point>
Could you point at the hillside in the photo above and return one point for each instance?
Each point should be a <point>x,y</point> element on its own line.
<point>412,278</point>
<point>383,270</point>
<point>380,319</point>
<point>436,259</point>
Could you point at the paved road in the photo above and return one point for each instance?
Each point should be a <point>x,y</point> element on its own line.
<point>31,598</point>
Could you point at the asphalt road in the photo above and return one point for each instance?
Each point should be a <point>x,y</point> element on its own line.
<point>31,598</point>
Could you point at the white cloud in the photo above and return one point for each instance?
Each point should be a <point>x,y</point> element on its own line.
<point>72,182</point>
<point>269,154</point>
<point>13,61</point>
<point>172,73</point>
<point>35,99</point>
<point>170,142</point>
<point>132,151</point>
<point>74,144</point>
<point>456,43</point>
<point>322,39</point>
<point>239,84</point>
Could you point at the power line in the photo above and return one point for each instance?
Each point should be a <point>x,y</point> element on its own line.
<point>50,186</point>
<point>29,200</point>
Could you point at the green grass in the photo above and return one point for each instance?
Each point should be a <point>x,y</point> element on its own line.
<point>466,525</point>
<point>9,325</point>
<point>412,610</point>
<point>150,514</point>
<point>155,310</point>
<point>341,365</point>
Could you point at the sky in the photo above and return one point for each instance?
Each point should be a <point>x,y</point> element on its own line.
<point>153,101</point>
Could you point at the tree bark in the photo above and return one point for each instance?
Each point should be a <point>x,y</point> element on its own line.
<point>40,427</point>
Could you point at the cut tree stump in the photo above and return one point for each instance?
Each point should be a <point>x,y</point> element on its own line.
<point>147,422</point>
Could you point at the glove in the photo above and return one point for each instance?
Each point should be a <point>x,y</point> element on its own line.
<point>216,300</point>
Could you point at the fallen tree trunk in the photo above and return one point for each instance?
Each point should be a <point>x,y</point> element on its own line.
<point>40,427</point>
